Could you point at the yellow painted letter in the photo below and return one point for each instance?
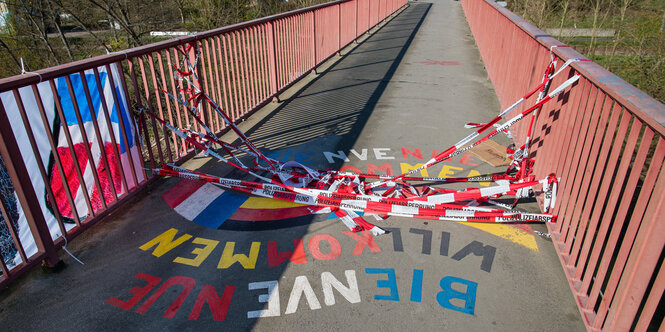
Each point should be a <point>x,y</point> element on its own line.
<point>228,257</point>
<point>201,253</point>
<point>165,242</point>
<point>447,171</point>
<point>406,167</point>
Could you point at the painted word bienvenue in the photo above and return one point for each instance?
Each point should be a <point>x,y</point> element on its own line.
<point>202,248</point>
<point>362,155</point>
<point>448,295</point>
<point>308,158</point>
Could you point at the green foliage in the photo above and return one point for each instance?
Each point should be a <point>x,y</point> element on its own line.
<point>636,53</point>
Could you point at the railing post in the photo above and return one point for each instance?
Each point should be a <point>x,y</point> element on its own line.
<point>25,192</point>
<point>272,53</point>
<point>369,16</point>
<point>355,34</point>
<point>339,28</point>
<point>314,34</point>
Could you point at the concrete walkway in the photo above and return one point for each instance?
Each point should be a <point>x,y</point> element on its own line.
<point>385,105</point>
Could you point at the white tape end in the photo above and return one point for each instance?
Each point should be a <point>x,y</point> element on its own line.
<point>376,230</point>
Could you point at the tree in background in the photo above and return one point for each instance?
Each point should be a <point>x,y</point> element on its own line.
<point>635,53</point>
<point>45,33</point>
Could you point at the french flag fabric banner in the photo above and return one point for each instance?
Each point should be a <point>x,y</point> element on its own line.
<point>129,162</point>
<point>87,167</point>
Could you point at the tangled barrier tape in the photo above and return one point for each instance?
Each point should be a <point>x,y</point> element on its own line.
<point>348,194</point>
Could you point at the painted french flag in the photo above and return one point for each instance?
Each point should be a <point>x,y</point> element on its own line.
<point>203,203</point>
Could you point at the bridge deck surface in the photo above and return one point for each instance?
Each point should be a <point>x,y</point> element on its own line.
<point>386,103</point>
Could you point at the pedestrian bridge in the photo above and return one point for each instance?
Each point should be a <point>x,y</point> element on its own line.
<point>371,86</point>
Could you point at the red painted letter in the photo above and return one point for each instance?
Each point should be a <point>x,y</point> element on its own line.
<point>187,282</point>
<point>363,239</point>
<point>388,168</point>
<point>416,153</point>
<point>315,249</point>
<point>218,305</point>
<point>466,160</point>
<point>296,256</point>
<point>139,292</point>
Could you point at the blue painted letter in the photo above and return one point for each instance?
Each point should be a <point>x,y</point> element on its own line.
<point>448,293</point>
<point>391,284</point>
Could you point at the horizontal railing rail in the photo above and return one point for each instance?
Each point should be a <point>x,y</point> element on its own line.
<point>605,139</point>
<point>74,144</point>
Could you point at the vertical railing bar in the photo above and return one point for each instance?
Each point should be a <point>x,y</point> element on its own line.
<point>219,99</point>
<point>100,144</point>
<point>228,65</point>
<point>158,100</point>
<point>225,90</point>
<point>167,100</point>
<point>339,28</point>
<point>176,105</point>
<point>355,34</point>
<point>281,54</point>
<point>238,60</point>
<point>148,101</point>
<point>218,85</point>
<point>200,63</point>
<point>260,61</point>
<point>316,58</point>
<point>179,85</point>
<point>109,126</point>
<point>121,120</point>
<point>201,79</point>
<point>208,81</point>
<point>304,45</point>
<point>244,41</point>
<point>287,47</point>
<point>251,33</point>
<point>56,156</point>
<point>249,57</point>
<point>233,62</point>
<point>238,55</point>
<point>295,46</point>
<point>272,64</point>
<point>293,34</point>
<point>137,94</point>
<point>259,52</point>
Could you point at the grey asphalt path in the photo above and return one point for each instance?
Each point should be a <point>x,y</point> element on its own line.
<point>384,105</point>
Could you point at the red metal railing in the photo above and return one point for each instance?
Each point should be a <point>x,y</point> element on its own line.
<point>606,140</point>
<point>68,139</point>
